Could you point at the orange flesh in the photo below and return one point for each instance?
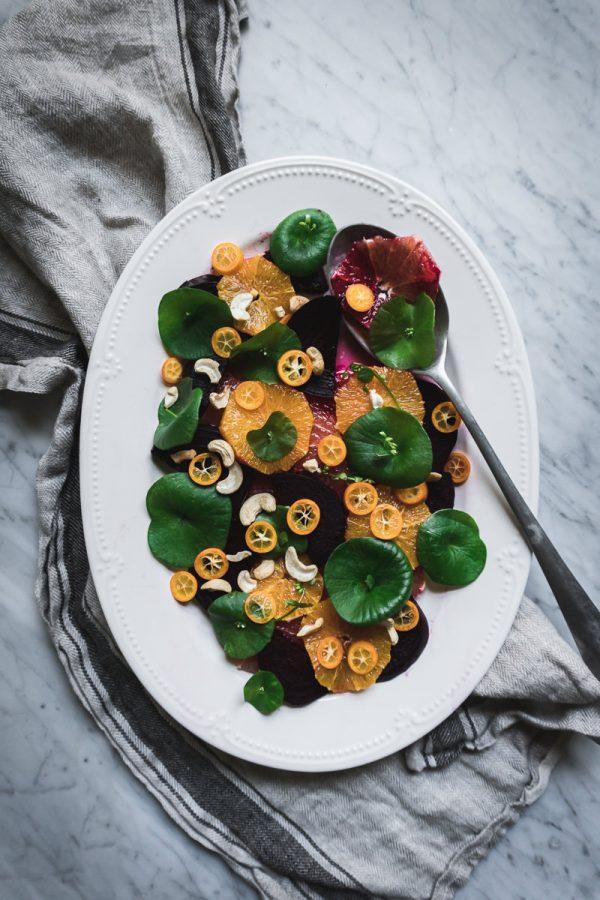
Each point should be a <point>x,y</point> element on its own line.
<point>413,517</point>
<point>272,286</point>
<point>352,401</point>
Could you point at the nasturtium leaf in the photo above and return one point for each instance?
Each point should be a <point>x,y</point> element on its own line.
<point>275,438</point>
<point>237,635</point>
<point>389,446</point>
<point>299,244</point>
<point>186,320</point>
<point>264,692</point>
<point>184,519</point>
<point>256,358</point>
<point>177,425</point>
<point>402,333</point>
<point>368,580</point>
<point>285,537</point>
<point>449,548</point>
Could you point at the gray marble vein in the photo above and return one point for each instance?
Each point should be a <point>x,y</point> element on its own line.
<point>493,109</point>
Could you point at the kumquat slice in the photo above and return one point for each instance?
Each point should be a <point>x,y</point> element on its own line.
<point>211,563</point>
<point>407,618</point>
<point>259,606</point>
<point>249,395</point>
<point>362,657</point>
<point>360,498</point>
<point>330,652</point>
<point>458,467</point>
<point>331,450</point>
<point>386,522</point>
<point>261,536</point>
<point>205,469</point>
<point>223,341</point>
<point>359,297</point>
<point>183,586</point>
<point>445,417</point>
<point>226,258</point>
<point>171,371</point>
<point>303,516</point>
<point>412,495</point>
<point>294,368</point>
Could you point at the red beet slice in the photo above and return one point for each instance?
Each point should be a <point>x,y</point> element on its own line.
<point>205,282</point>
<point>440,494</point>
<point>290,486</point>
<point>317,324</point>
<point>287,658</point>
<point>442,444</point>
<point>408,649</point>
<point>203,434</point>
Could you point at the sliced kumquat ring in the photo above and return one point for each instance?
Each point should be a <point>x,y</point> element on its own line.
<point>330,652</point>
<point>205,469</point>
<point>360,498</point>
<point>211,563</point>
<point>408,617</point>
<point>261,536</point>
<point>223,341</point>
<point>294,367</point>
<point>227,258</point>
<point>458,467</point>
<point>303,516</point>
<point>259,606</point>
<point>445,417</point>
<point>412,495</point>
<point>249,395</point>
<point>183,586</point>
<point>331,450</point>
<point>362,657</point>
<point>359,297</point>
<point>386,521</point>
<point>171,371</point>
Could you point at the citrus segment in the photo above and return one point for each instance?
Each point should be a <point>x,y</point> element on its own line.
<point>249,395</point>
<point>205,469</point>
<point>211,563</point>
<point>303,516</point>
<point>352,398</point>
<point>331,450</point>
<point>259,606</point>
<point>237,422</point>
<point>360,498</point>
<point>171,371</point>
<point>223,341</point>
<point>362,657</point>
<point>226,258</point>
<point>408,617</point>
<point>412,495</point>
<point>458,467</point>
<point>271,286</point>
<point>386,521</point>
<point>445,417</point>
<point>294,368</point>
<point>412,519</point>
<point>261,536</point>
<point>183,586</point>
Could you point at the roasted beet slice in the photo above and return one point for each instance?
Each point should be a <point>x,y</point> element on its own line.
<point>290,486</point>
<point>310,285</point>
<point>440,494</point>
<point>287,658</point>
<point>203,434</point>
<point>317,324</point>
<point>442,444</point>
<point>408,649</point>
<point>205,282</point>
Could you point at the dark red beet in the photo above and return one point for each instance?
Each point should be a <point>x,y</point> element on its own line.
<point>317,324</point>
<point>204,434</point>
<point>290,486</point>
<point>207,282</point>
<point>287,658</point>
<point>441,444</point>
<point>408,649</point>
<point>440,494</point>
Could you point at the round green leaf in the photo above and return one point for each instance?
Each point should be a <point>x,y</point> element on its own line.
<point>368,580</point>
<point>300,243</point>
<point>187,318</point>
<point>402,333</point>
<point>389,446</point>
<point>178,424</point>
<point>449,548</point>
<point>264,692</point>
<point>237,635</point>
<point>285,537</point>
<point>257,357</point>
<point>184,519</point>
<point>275,438</point>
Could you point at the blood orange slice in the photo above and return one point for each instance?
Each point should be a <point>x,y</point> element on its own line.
<point>352,400</point>
<point>272,289</point>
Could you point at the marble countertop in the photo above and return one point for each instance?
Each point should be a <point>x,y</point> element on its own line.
<point>493,110</point>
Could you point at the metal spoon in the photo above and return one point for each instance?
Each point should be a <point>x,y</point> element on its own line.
<point>581,615</point>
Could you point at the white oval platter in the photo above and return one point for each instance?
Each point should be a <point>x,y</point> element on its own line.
<point>172,648</point>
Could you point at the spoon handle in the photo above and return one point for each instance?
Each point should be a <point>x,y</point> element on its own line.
<point>581,615</point>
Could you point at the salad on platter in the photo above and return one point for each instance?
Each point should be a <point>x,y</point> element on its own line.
<point>310,484</point>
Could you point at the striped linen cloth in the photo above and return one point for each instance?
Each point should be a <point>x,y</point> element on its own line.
<point>112,112</point>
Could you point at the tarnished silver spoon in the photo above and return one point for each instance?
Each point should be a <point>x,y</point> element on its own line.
<point>581,615</point>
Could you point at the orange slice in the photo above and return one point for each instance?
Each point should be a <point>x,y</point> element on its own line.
<point>303,516</point>
<point>386,521</point>
<point>408,617</point>
<point>183,586</point>
<point>171,371</point>
<point>237,422</point>
<point>331,450</point>
<point>352,401</point>
<point>205,469</point>
<point>413,518</point>
<point>362,657</point>
<point>249,395</point>
<point>359,297</point>
<point>412,495</point>
<point>288,593</point>
<point>272,287</point>
<point>261,536</point>
<point>445,417</point>
<point>226,258</point>
<point>360,498</point>
<point>259,606</point>
<point>342,677</point>
<point>211,563</point>
<point>458,467</point>
<point>223,341</point>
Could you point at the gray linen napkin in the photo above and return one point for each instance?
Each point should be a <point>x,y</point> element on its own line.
<point>111,114</point>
